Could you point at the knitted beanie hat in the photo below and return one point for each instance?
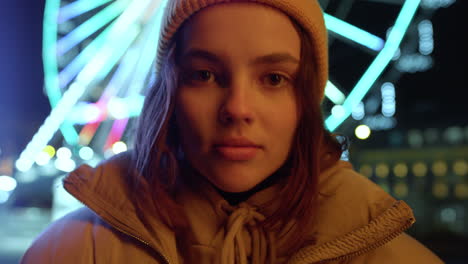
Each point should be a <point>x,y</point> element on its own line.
<point>307,13</point>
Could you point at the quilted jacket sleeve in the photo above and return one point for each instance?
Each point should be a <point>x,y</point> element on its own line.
<point>66,240</point>
<point>403,249</point>
<point>83,237</point>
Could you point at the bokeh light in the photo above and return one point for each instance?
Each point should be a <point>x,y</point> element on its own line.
<point>23,165</point>
<point>64,153</point>
<point>439,168</point>
<point>415,138</point>
<point>42,158</point>
<point>382,170</point>
<point>401,189</point>
<point>86,153</point>
<point>400,170</point>
<point>440,190</point>
<point>64,164</point>
<point>50,150</point>
<point>362,132</point>
<point>419,169</point>
<point>461,190</point>
<point>7,183</point>
<point>460,167</point>
<point>119,147</point>
<point>366,170</point>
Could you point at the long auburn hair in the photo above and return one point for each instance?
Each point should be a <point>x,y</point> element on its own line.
<point>156,148</point>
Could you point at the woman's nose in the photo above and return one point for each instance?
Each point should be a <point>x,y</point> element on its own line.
<point>236,106</point>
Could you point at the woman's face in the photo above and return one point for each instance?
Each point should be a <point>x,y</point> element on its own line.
<point>236,109</point>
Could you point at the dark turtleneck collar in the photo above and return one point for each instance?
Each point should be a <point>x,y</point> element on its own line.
<point>234,198</point>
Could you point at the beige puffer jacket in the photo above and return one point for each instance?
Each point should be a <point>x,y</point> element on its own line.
<point>358,223</point>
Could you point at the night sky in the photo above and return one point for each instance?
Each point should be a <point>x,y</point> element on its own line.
<point>438,97</point>
<point>23,105</point>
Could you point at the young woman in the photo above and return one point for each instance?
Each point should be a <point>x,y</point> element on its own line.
<point>231,162</point>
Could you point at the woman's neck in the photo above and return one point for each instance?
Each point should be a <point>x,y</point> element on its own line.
<point>234,198</point>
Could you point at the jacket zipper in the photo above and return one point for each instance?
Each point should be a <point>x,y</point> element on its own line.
<point>146,243</point>
<point>409,223</point>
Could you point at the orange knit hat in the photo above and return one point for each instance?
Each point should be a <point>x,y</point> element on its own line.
<point>306,13</point>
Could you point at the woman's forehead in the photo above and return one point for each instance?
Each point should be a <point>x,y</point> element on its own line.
<point>245,28</point>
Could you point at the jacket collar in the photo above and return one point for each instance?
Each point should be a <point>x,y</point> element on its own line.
<point>350,208</point>
<point>354,216</point>
<point>104,190</point>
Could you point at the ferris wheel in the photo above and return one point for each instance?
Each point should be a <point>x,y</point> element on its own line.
<point>98,56</point>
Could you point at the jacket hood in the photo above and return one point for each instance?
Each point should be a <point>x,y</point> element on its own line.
<point>354,214</point>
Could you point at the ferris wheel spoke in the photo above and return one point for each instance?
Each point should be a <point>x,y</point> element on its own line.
<point>376,68</point>
<point>90,26</point>
<point>95,70</point>
<point>107,58</point>
<point>334,94</point>
<point>77,8</point>
<point>89,63</point>
<point>70,71</point>
<point>148,54</point>
<point>353,33</point>
<point>129,77</point>
<point>116,132</point>
<point>109,102</point>
<point>120,80</point>
<point>121,35</point>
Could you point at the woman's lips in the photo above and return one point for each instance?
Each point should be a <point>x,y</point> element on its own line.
<point>237,153</point>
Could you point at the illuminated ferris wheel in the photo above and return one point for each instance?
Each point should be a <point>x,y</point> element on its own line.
<point>98,55</point>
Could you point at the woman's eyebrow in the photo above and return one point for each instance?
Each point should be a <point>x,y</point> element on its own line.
<point>201,54</point>
<point>274,58</point>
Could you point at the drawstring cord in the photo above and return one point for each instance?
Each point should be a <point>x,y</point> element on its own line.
<point>234,248</point>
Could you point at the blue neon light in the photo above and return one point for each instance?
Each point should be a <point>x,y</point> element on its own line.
<point>334,94</point>
<point>89,27</point>
<point>77,8</point>
<point>50,126</point>
<point>378,65</point>
<point>123,33</point>
<point>353,33</point>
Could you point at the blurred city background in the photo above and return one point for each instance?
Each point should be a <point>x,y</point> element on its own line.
<point>73,75</point>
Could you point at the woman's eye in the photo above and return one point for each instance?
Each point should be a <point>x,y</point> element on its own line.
<point>201,75</point>
<point>276,79</point>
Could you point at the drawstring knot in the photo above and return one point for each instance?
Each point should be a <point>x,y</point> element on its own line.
<point>241,220</point>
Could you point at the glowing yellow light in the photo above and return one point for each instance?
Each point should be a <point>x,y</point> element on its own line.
<point>119,147</point>
<point>440,190</point>
<point>460,167</point>
<point>400,170</point>
<point>366,170</point>
<point>400,189</point>
<point>362,132</point>
<point>439,168</point>
<point>419,169</point>
<point>49,150</point>
<point>461,190</point>
<point>382,170</point>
